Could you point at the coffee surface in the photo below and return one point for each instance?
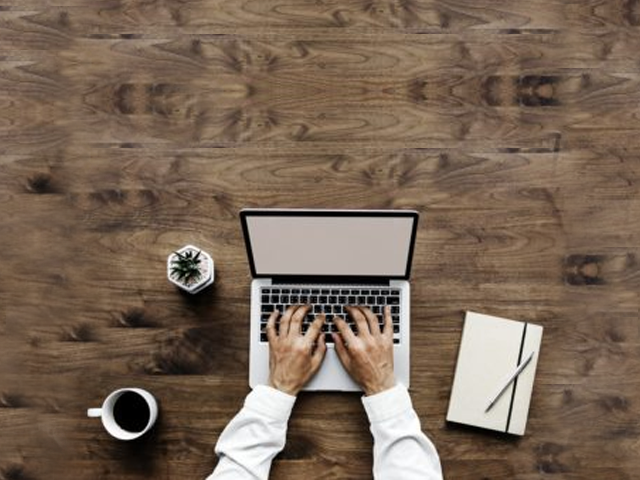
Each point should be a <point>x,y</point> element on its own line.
<point>131,412</point>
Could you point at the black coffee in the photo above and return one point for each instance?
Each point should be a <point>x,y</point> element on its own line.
<point>131,412</point>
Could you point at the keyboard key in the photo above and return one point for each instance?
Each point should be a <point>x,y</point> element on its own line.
<point>395,292</point>
<point>344,292</point>
<point>384,292</point>
<point>333,299</point>
<point>371,300</point>
<point>263,337</point>
<point>305,327</point>
<point>325,328</point>
<point>376,309</point>
<point>315,291</point>
<point>322,299</point>
<point>335,292</point>
<point>355,292</point>
<point>325,291</point>
<point>329,319</point>
<point>328,338</point>
<point>265,317</point>
<point>275,290</point>
<point>275,298</point>
<point>396,340</point>
<point>266,290</point>
<point>306,291</point>
<point>381,300</point>
<point>395,309</point>
<point>313,299</point>
<point>267,308</point>
<point>365,292</point>
<point>395,318</point>
<point>294,299</point>
<point>317,309</point>
<point>285,299</point>
<point>286,290</point>
<point>295,290</point>
<point>342,300</point>
<point>265,298</point>
<point>362,300</point>
<point>351,300</point>
<point>393,301</point>
<point>304,299</point>
<point>281,308</point>
<point>396,329</point>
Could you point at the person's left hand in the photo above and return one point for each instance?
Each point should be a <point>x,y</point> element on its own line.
<point>294,358</point>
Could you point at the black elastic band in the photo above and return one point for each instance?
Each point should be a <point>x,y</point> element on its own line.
<point>515,382</point>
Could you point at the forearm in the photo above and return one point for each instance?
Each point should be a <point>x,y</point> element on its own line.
<point>254,437</point>
<point>401,449</point>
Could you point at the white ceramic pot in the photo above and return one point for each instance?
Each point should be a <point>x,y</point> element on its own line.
<point>206,270</point>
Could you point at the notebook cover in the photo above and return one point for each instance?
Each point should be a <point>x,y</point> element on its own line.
<point>490,351</point>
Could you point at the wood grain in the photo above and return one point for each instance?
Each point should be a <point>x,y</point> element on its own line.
<point>129,128</point>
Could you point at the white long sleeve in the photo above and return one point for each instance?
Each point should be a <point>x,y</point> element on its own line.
<point>254,437</point>
<point>400,449</point>
<point>257,433</point>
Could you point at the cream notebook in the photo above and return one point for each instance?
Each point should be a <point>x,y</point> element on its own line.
<point>490,351</point>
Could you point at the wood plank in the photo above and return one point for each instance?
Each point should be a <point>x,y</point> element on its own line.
<point>474,95</point>
<point>329,16</point>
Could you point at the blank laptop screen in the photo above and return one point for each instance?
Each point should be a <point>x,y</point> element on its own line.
<point>344,245</point>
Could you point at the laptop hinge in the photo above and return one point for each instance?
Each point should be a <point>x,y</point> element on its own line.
<point>321,280</point>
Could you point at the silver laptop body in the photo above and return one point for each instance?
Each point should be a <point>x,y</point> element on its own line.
<point>328,259</point>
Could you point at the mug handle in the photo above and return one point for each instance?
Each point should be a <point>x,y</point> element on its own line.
<point>94,412</point>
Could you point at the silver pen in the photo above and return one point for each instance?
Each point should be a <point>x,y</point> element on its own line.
<point>515,374</point>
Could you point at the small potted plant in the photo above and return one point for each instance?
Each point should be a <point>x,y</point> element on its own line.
<point>190,268</point>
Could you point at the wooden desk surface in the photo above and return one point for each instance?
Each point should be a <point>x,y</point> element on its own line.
<point>130,127</point>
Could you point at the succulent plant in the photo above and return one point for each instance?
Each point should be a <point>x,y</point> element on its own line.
<point>185,267</point>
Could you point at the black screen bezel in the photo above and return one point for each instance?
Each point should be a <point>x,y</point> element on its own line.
<point>245,213</point>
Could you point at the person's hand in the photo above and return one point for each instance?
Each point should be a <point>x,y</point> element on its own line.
<point>368,357</point>
<point>294,358</point>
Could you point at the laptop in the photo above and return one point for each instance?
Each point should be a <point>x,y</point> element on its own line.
<point>329,259</point>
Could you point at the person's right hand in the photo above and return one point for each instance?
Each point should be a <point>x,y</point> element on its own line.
<point>368,357</point>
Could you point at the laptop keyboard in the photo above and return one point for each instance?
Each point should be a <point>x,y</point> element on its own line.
<point>331,302</point>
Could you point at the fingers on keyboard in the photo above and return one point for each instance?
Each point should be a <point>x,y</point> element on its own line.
<point>331,302</point>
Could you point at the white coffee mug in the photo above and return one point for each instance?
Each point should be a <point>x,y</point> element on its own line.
<point>109,422</point>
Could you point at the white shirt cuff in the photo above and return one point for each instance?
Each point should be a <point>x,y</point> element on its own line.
<point>270,402</point>
<point>387,404</point>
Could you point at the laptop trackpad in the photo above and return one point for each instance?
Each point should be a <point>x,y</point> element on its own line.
<point>332,375</point>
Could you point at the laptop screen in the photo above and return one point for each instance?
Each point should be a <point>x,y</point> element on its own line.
<point>325,243</point>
